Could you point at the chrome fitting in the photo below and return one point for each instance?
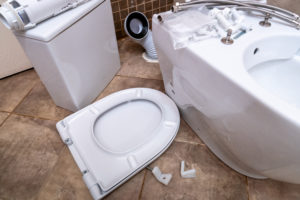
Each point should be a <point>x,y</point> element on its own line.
<point>228,40</point>
<point>160,19</point>
<point>175,8</point>
<point>266,22</point>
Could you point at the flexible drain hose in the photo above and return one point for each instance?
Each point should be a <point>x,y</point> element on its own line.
<point>149,47</point>
<point>137,28</point>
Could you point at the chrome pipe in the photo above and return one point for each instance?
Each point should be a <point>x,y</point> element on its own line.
<point>178,6</point>
<point>291,15</point>
<point>270,7</point>
<point>274,14</point>
<point>181,6</point>
<point>241,6</point>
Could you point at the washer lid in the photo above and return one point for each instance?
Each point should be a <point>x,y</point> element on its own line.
<point>116,137</point>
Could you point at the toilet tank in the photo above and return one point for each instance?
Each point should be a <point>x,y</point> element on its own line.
<point>75,54</point>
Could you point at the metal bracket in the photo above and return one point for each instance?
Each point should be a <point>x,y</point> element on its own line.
<point>160,19</point>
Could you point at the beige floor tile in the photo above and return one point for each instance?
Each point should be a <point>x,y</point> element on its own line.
<point>186,134</point>
<point>66,182</point>
<point>132,62</point>
<point>130,190</point>
<point>29,149</point>
<point>273,190</point>
<point>39,103</point>
<point>14,88</point>
<point>214,180</point>
<point>3,116</point>
<point>121,83</point>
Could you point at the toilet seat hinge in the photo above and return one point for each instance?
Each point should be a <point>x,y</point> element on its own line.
<point>68,141</point>
<point>92,185</point>
<point>63,129</point>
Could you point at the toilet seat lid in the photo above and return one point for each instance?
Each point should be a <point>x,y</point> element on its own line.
<point>119,135</point>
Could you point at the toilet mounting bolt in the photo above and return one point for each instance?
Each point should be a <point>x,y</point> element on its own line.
<point>266,22</point>
<point>227,40</point>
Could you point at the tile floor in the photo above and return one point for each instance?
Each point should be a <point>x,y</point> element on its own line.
<point>35,164</point>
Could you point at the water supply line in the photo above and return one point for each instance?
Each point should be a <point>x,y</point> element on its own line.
<point>269,11</point>
<point>268,14</point>
<point>21,15</point>
<point>269,7</point>
<point>277,9</point>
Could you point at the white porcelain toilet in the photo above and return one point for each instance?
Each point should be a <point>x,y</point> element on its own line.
<point>114,138</point>
<point>241,98</point>
<point>75,53</point>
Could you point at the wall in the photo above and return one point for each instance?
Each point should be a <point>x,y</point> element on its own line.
<point>12,57</point>
<point>121,8</point>
<point>292,5</point>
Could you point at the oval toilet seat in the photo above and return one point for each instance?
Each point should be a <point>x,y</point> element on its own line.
<point>111,155</point>
<point>128,97</point>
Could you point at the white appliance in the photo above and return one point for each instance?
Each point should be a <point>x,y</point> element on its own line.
<point>12,56</point>
<point>75,53</point>
<point>116,137</point>
<point>241,98</point>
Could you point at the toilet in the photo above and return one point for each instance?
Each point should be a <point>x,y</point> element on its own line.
<point>74,53</point>
<point>116,137</point>
<point>240,97</point>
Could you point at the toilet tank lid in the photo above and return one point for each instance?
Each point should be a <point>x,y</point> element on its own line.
<point>52,27</point>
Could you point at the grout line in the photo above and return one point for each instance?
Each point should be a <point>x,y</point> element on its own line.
<point>24,97</point>
<point>5,119</point>
<point>10,113</point>
<point>17,73</point>
<point>34,117</point>
<point>23,115</point>
<point>142,187</point>
<point>50,173</point>
<point>139,77</point>
<point>247,185</point>
<point>189,142</point>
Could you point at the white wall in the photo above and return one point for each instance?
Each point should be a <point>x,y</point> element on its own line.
<point>12,57</point>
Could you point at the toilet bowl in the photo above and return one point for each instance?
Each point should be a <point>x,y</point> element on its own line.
<point>241,99</point>
<point>114,138</point>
